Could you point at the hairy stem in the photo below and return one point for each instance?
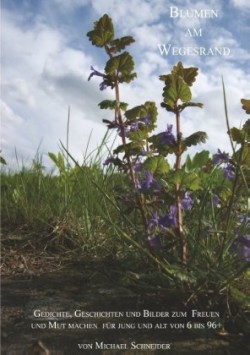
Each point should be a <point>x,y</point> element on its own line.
<point>118,119</point>
<point>178,192</point>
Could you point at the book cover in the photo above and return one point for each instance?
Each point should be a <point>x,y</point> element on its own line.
<point>125,172</point>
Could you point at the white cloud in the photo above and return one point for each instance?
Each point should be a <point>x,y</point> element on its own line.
<point>19,90</point>
<point>148,36</point>
<point>7,115</point>
<point>42,77</point>
<point>244,4</point>
<point>128,14</point>
<point>10,125</point>
<point>69,5</point>
<point>32,46</point>
<point>44,74</point>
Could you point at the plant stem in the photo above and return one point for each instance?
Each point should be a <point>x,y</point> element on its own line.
<point>118,119</point>
<point>178,191</point>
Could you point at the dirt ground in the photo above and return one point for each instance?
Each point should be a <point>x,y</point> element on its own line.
<point>40,280</point>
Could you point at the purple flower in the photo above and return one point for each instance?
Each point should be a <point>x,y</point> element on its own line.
<point>138,166</point>
<point>215,200</point>
<point>228,172</point>
<point>109,160</point>
<point>169,219</point>
<point>245,219</point>
<point>134,126</point>
<point>103,84</point>
<point>95,72</point>
<point>145,120</point>
<point>167,137</point>
<point>220,157</point>
<point>244,246</point>
<point>118,126</point>
<point>154,242</point>
<point>166,221</point>
<point>119,130</point>
<point>148,181</point>
<point>245,240</point>
<point>153,222</point>
<point>173,214</point>
<point>228,169</point>
<point>187,202</point>
<point>143,152</point>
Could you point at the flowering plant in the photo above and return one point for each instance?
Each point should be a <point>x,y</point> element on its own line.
<point>193,206</point>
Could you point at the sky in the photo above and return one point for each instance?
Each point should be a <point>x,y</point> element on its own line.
<point>46,59</point>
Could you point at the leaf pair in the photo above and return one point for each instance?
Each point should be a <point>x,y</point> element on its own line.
<point>103,35</point>
<point>118,67</point>
<point>121,65</point>
<point>246,105</point>
<point>177,87</point>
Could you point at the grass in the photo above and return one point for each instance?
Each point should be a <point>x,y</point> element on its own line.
<point>80,208</point>
<point>41,201</point>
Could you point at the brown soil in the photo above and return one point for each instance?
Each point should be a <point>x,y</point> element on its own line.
<point>38,278</point>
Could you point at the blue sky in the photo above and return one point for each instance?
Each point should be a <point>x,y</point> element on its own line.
<point>46,59</point>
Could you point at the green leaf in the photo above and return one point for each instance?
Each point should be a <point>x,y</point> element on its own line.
<point>139,135</point>
<point>246,105</point>
<point>156,165</point>
<point>246,129</point>
<point>176,89</point>
<point>151,111</point>
<point>195,138</point>
<point>167,107</point>
<point>110,124</point>
<point>135,112</point>
<point>199,160</point>
<point>191,104</point>
<point>241,135</point>
<point>122,63</point>
<point>53,157</point>
<point>183,106</point>
<point>162,149</point>
<point>237,135</point>
<point>58,160</point>
<point>177,176</point>
<point>119,44</point>
<point>244,155</point>
<point>111,104</point>
<point>103,32</point>
<point>139,112</point>
<point>191,181</point>
<point>164,77</point>
<point>132,148</point>
<point>127,78</point>
<point>2,160</point>
<point>188,163</point>
<point>188,74</point>
<point>240,297</point>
